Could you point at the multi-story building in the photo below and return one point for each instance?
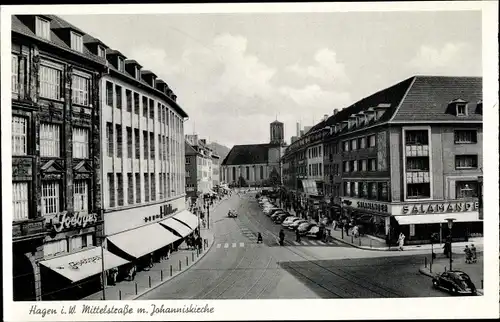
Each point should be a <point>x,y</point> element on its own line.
<point>56,158</point>
<point>199,168</point>
<point>215,170</point>
<point>143,170</point>
<point>256,164</point>
<point>408,157</point>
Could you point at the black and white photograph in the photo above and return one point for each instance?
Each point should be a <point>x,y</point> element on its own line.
<point>159,159</point>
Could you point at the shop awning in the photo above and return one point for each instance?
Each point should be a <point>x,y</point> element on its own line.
<point>188,218</point>
<point>437,218</point>
<point>179,227</point>
<point>310,187</point>
<point>80,265</point>
<point>144,240</point>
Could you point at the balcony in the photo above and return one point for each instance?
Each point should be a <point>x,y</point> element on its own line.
<point>29,229</point>
<point>417,150</point>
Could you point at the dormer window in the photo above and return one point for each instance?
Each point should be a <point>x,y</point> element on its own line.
<point>121,64</point>
<point>76,42</point>
<point>137,73</point>
<point>42,28</point>
<point>101,51</point>
<point>461,109</point>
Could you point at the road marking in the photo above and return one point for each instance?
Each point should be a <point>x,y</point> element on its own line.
<point>242,244</point>
<point>226,245</point>
<point>234,245</point>
<point>303,243</point>
<point>296,243</point>
<point>218,245</point>
<point>313,242</point>
<point>322,243</point>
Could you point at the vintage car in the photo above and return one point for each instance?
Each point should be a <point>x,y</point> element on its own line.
<point>455,282</point>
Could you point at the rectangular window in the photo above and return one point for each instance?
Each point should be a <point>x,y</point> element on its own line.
<point>310,170</point>
<point>76,42</point>
<point>137,188</point>
<point>121,64</point>
<point>152,146</point>
<point>153,186</point>
<point>146,187</point>
<point>50,198</point>
<point>188,173</point>
<point>354,166</point>
<point>160,190</point>
<point>346,166</point>
<point>371,141</point>
<point>128,99</point>
<point>80,143</point>
<point>42,28</point>
<point>118,90</point>
<point>383,188</point>
<point>50,82</point>
<point>110,139</point>
<point>345,146</point>
<point>130,188</point>
<point>320,168</point>
<point>188,160</point>
<point>129,142</point>
<point>416,137</point>
<point>466,189</point>
<point>319,151</point>
<point>461,109</point>
<point>80,195</point>
<point>109,93</point>
<point>353,184</point>
<point>19,135</point>
<point>151,109</point>
<point>362,142</point>
<point>136,103</point>
<point>119,181</point>
<point>20,198</point>
<point>50,140</point>
<point>465,136</point>
<point>372,164</point>
<point>76,243</point>
<point>55,248</point>
<point>137,141</point>
<point>465,162</point>
<point>111,189</point>
<point>354,144</point>
<point>145,144</point>
<point>144,106</point>
<point>417,164</point>
<point>160,147</point>
<point>119,141</point>
<point>80,90</point>
<point>261,172</point>
<point>15,74</point>
<point>356,189</point>
<point>418,190</point>
<point>347,189</point>
<point>101,51</point>
<point>373,190</point>
<point>364,165</point>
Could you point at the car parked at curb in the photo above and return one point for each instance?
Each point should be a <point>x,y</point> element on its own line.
<point>456,282</point>
<point>288,221</point>
<point>281,217</point>
<point>304,228</point>
<point>296,224</point>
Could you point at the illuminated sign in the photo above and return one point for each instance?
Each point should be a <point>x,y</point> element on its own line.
<point>444,207</point>
<point>165,210</point>
<point>75,220</point>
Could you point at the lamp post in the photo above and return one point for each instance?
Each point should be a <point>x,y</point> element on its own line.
<point>450,226</point>
<point>103,271</point>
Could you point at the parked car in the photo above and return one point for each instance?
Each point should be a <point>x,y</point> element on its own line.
<point>455,282</point>
<point>314,232</point>
<point>304,228</point>
<point>296,224</point>
<point>281,217</point>
<point>289,221</point>
<point>276,214</point>
<point>272,211</point>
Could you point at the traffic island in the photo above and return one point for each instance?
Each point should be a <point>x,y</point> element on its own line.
<point>440,265</point>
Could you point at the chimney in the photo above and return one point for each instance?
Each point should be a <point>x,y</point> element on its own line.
<point>204,141</point>
<point>352,121</point>
<point>298,129</point>
<point>325,117</point>
<point>360,118</point>
<point>335,111</point>
<point>370,114</point>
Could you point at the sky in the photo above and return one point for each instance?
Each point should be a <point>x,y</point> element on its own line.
<point>236,73</point>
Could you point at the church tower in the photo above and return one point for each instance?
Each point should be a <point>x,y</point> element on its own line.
<point>277,133</point>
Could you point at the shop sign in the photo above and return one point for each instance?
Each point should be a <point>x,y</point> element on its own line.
<point>372,206</point>
<point>165,210</point>
<point>83,261</point>
<point>76,220</point>
<point>445,207</point>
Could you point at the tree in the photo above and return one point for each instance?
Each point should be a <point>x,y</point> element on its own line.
<point>274,178</point>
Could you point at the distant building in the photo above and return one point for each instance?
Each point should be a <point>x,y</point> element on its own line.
<point>199,167</point>
<point>256,164</point>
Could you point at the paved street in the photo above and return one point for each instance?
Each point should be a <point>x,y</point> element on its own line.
<point>238,268</point>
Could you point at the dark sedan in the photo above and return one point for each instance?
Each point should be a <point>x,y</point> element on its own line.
<point>455,282</point>
<point>276,214</point>
<point>281,217</point>
<point>304,228</point>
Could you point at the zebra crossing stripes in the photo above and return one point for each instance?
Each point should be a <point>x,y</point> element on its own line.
<point>232,245</point>
<point>306,242</point>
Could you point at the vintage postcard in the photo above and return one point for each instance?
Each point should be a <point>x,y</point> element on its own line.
<point>250,161</point>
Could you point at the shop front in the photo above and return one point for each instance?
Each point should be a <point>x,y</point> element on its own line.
<point>418,221</point>
<point>145,235</point>
<point>72,264</point>
<point>373,217</point>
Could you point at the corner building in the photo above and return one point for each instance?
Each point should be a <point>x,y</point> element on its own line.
<point>407,158</point>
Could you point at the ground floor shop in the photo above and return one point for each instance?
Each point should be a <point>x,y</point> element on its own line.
<point>26,282</point>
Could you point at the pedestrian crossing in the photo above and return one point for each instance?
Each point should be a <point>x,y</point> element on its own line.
<point>305,242</point>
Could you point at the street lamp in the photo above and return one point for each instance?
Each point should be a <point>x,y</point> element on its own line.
<point>450,226</point>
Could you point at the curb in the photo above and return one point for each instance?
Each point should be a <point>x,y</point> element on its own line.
<point>177,274</point>
<point>364,247</point>
<point>426,272</point>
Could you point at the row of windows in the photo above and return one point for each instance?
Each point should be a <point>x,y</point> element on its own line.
<point>360,165</point>
<point>359,143</point>
<point>42,30</point>
<point>51,198</point>
<point>315,152</point>
<point>247,173</point>
<point>316,169</point>
<point>50,139</point>
<point>367,190</point>
<point>70,244</point>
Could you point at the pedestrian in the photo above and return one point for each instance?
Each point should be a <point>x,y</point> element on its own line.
<point>282,237</point>
<point>334,224</point>
<point>355,231</point>
<point>297,235</point>
<point>259,238</point>
<point>447,249</point>
<point>468,255</point>
<point>474,254</point>
<point>346,226</point>
<point>401,241</point>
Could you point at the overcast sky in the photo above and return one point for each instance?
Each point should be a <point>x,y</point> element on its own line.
<point>235,73</point>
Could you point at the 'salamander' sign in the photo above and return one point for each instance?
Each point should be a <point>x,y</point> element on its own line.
<point>443,207</point>
<point>76,220</point>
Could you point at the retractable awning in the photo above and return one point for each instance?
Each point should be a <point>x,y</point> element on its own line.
<point>188,218</point>
<point>144,240</point>
<point>437,218</point>
<point>86,263</point>
<point>176,225</point>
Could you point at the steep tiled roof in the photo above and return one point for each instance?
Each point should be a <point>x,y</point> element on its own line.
<point>430,96</point>
<point>247,154</point>
<point>19,26</point>
<point>189,150</point>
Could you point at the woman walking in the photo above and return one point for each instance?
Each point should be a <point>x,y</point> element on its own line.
<point>401,241</point>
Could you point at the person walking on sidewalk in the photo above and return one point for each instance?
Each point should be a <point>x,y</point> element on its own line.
<point>474,254</point>
<point>297,236</point>
<point>401,241</point>
<point>468,255</point>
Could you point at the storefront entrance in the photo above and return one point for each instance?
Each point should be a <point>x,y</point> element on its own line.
<point>23,284</point>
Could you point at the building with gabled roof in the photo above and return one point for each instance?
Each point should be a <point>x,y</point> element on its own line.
<point>400,160</point>
<point>256,164</point>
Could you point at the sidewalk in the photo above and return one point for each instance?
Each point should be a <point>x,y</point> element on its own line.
<point>475,270</point>
<point>160,273</point>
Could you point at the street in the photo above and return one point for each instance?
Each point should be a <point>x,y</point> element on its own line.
<point>238,268</point>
